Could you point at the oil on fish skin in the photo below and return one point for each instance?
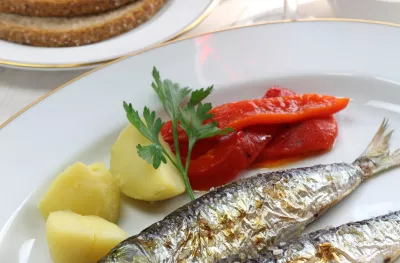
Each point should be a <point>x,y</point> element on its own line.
<point>376,240</point>
<point>247,216</point>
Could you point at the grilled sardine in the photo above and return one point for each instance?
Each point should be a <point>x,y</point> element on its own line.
<point>368,241</point>
<point>247,216</point>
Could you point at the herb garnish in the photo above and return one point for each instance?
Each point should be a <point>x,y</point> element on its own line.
<point>190,116</point>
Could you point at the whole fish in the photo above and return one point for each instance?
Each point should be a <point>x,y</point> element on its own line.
<point>247,216</point>
<point>376,240</point>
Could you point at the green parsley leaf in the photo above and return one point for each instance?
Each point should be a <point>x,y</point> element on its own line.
<point>192,122</point>
<point>170,94</point>
<point>152,124</point>
<point>200,94</point>
<point>151,128</point>
<point>135,120</point>
<point>152,154</point>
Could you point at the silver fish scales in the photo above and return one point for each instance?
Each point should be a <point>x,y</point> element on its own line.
<point>248,216</point>
<point>368,241</point>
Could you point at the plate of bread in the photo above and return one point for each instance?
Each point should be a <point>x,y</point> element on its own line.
<point>64,34</point>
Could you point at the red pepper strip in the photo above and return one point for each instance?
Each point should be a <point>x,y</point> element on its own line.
<point>276,91</point>
<point>300,138</point>
<point>166,133</point>
<point>306,137</point>
<point>200,148</point>
<point>203,146</point>
<point>269,111</point>
<point>272,92</point>
<point>276,110</point>
<point>232,154</point>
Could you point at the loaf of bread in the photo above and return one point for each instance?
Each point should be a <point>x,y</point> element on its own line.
<point>76,31</point>
<point>59,8</point>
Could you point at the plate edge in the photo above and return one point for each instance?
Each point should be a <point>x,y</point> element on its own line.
<point>20,112</point>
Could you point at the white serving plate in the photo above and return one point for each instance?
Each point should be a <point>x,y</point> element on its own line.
<point>174,19</point>
<point>357,60</point>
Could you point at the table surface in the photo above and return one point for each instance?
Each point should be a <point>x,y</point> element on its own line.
<point>19,88</point>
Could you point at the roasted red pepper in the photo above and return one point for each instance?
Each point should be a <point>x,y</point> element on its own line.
<point>277,110</point>
<point>297,139</point>
<point>230,155</point>
<point>276,91</point>
<point>200,148</point>
<point>303,138</point>
<point>216,161</point>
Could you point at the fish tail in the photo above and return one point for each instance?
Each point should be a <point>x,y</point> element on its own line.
<point>377,157</point>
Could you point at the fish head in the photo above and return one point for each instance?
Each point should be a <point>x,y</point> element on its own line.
<point>125,253</point>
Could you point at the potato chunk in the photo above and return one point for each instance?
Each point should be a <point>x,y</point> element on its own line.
<point>86,190</point>
<point>137,178</point>
<point>80,239</point>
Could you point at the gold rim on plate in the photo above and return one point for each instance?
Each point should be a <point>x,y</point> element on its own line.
<point>196,22</point>
<point>185,38</point>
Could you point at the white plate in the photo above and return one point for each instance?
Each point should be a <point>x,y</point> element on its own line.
<point>175,18</point>
<point>80,121</point>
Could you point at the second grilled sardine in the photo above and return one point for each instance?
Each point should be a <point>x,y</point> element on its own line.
<point>376,240</point>
<point>248,216</point>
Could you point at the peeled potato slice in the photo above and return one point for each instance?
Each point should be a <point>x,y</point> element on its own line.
<point>137,178</point>
<point>80,239</point>
<point>86,190</point>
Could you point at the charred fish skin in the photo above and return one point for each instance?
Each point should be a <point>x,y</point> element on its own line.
<point>248,216</point>
<point>367,241</point>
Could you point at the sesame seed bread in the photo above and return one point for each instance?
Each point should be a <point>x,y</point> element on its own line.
<point>63,8</point>
<point>76,31</point>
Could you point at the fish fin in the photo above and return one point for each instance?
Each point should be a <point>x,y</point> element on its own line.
<point>377,156</point>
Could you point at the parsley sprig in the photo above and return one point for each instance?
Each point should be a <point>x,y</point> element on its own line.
<point>190,115</point>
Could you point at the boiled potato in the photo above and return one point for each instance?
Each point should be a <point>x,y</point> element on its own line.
<point>86,190</point>
<point>69,237</point>
<point>80,239</point>
<point>136,177</point>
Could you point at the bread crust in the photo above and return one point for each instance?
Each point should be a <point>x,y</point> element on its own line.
<point>59,8</point>
<point>11,29</point>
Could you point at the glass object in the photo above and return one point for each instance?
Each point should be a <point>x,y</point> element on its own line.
<point>256,11</point>
<point>377,10</point>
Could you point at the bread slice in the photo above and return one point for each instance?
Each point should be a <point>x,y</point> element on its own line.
<point>63,8</point>
<point>76,31</point>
